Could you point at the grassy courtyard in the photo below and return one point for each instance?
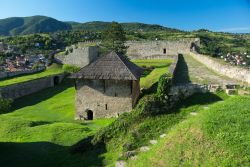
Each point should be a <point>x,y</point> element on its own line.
<point>52,70</point>
<point>41,129</point>
<point>153,70</point>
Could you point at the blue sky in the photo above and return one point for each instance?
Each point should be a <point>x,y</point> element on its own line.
<point>216,15</point>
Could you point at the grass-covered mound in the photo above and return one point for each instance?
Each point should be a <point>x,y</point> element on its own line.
<point>41,129</point>
<point>217,136</point>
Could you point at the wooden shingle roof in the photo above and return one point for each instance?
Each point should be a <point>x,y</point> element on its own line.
<point>111,66</point>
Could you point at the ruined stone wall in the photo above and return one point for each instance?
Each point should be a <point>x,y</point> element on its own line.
<point>18,90</point>
<point>159,49</point>
<point>230,71</point>
<point>105,98</point>
<point>80,56</point>
<point>16,73</point>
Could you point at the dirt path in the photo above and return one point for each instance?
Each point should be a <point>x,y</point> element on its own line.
<point>192,71</point>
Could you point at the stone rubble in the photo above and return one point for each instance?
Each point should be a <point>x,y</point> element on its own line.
<point>193,113</point>
<point>144,148</point>
<point>153,142</point>
<point>120,164</point>
<point>163,135</point>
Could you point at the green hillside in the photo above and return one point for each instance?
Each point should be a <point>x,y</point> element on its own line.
<point>133,26</point>
<point>42,24</point>
<point>31,25</point>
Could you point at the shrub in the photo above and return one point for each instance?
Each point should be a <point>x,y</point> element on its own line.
<point>70,68</point>
<point>164,85</point>
<point>5,105</point>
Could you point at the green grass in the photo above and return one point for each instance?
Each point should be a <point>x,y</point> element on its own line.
<point>41,130</point>
<point>217,136</point>
<point>156,69</point>
<point>135,130</point>
<point>52,70</point>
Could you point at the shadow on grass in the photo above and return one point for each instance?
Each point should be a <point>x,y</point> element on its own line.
<point>41,96</point>
<point>181,72</point>
<point>40,154</point>
<point>198,99</point>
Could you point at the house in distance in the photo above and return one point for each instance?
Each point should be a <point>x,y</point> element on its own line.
<point>107,87</point>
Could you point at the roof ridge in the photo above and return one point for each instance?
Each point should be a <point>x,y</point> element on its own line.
<point>110,66</point>
<point>126,65</point>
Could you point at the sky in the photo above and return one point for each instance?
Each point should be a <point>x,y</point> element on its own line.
<point>215,15</point>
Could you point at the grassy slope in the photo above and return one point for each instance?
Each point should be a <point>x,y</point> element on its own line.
<point>160,67</point>
<point>141,131</point>
<point>41,128</point>
<point>54,69</point>
<point>218,136</point>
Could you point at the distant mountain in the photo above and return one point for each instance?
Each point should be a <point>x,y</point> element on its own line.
<point>42,24</point>
<point>99,25</point>
<point>31,25</point>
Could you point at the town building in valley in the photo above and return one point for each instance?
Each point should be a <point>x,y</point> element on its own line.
<point>107,87</point>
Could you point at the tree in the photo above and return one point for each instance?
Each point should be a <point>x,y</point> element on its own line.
<point>113,38</point>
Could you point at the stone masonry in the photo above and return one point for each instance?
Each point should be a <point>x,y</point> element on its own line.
<point>230,71</point>
<point>79,56</point>
<point>105,98</point>
<point>159,49</point>
<point>18,90</point>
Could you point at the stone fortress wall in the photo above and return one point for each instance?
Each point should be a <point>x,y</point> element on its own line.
<point>228,70</point>
<point>16,73</point>
<point>84,53</point>
<point>79,55</point>
<point>159,49</point>
<point>18,90</point>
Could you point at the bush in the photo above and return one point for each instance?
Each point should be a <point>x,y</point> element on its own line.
<point>5,105</point>
<point>164,85</point>
<point>70,68</point>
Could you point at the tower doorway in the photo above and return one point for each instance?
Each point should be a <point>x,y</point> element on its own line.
<point>89,115</point>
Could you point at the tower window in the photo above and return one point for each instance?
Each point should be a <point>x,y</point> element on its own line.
<point>164,51</point>
<point>106,106</point>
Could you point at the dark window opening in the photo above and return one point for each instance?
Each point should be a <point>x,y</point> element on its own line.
<point>89,115</point>
<point>115,94</point>
<point>106,106</point>
<point>164,51</point>
<point>56,80</point>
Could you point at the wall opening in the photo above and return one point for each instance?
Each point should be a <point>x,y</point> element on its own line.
<point>106,106</point>
<point>56,80</point>
<point>90,115</point>
<point>164,51</point>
